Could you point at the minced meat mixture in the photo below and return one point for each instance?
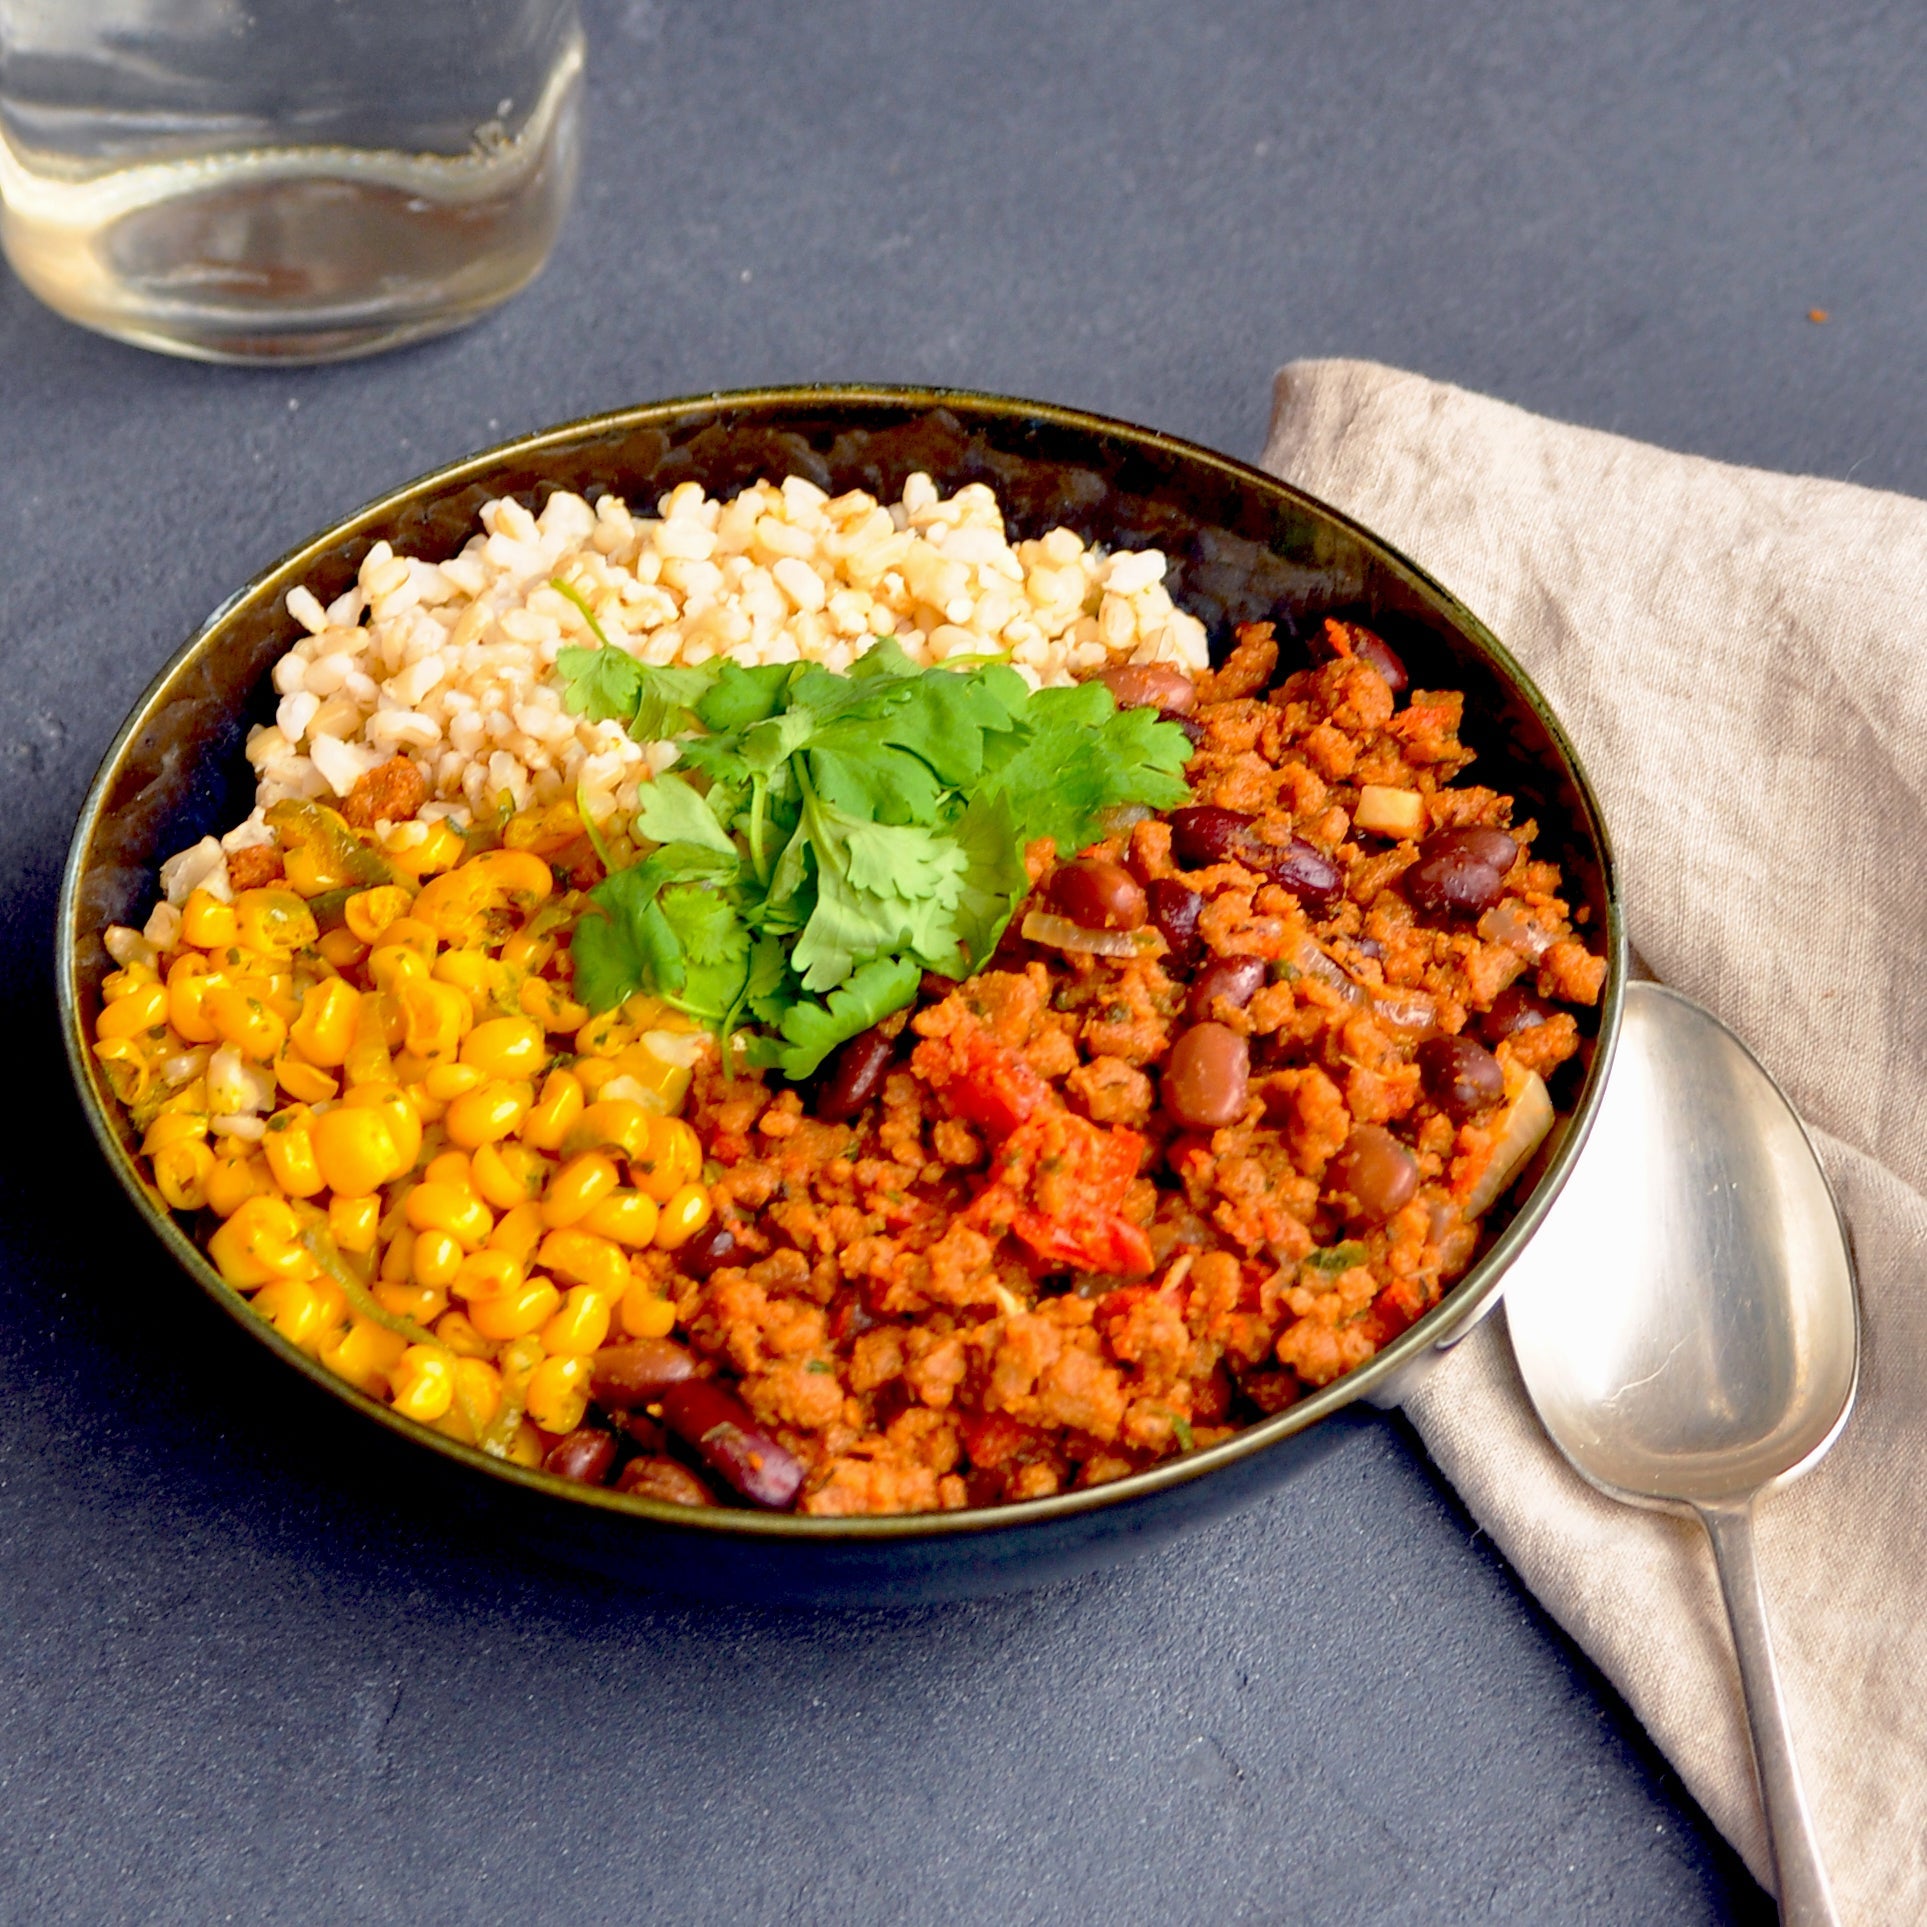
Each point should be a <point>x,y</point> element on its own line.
<point>1216,1131</point>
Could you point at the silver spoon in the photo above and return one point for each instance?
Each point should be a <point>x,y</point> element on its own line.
<point>1686,1326</point>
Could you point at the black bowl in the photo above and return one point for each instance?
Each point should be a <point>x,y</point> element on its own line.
<point>1242,546</point>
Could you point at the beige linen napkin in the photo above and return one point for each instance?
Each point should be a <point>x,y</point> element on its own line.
<point>1739,658</point>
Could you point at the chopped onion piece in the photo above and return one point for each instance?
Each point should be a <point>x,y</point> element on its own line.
<point>1405,1009</point>
<point>1059,933</point>
<point>1313,962</point>
<point>1522,1128</point>
<point>1508,924</point>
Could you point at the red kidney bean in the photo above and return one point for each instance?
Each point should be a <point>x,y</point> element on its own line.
<point>643,1432</point>
<point>584,1455</point>
<point>709,1250</point>
<point>1376,1171</point>
<point>665,1479</point>
<point>1367,646</point>
<point>1462,1078</point>
<point>1174,908</point>
<point>1236,979</point>
<point>1207,1077</point>
<point>732,1444</point>
<point>1460,871</point>
<point>1151,685</point>
<point>856,1076</point>
<point>1514,1009</point>
<point>1098,895</point>
<point>1206,833</point>
<point>637,1373</point>
<point>1193,729</point>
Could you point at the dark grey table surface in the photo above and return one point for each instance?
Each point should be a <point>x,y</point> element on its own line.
<point>239,1687</point>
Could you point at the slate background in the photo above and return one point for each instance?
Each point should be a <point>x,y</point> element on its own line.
<point>234,1685</point>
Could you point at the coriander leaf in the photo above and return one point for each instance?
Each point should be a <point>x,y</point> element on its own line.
<point>810,1030</point>
<point>944,720</point>
<point>602,684</point>
<point>744,696</point>
<point>995,882</point>
<point>766,744</point>
<point>878,782</point>
<point>622,942</point>
<point>669,811</point>
<point>667,700</point>
<point>1331,1260</point>
<point>715,948</point>
<point>902,860</point>
<point>771,989</point>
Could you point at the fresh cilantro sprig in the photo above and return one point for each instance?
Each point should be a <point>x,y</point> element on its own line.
<point>828,838</point>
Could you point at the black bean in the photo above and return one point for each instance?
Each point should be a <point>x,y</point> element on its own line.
<point>1203,834</point>
<point>1097,894</point>
<point>1207,1077</point>
<point>1151,685</point>
<point>1514,1009</point>
<point>1206,833</point>
<point>1236,979</point>
<point>1460,871</point>
<point>1174,908</point>
<point>1462,1078</point>
<point>584,1455</point>
<point>1310,875</point>
<point>1373,1175</point>
<point>664,1479</point>
<point>732,1444</point>
<point>1369,646</point>
<point>856,1076</point>
<point>708,1250</point>
<point>627,1375</point>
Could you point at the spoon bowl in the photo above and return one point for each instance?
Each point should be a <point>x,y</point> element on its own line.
<point>1688,1329</point>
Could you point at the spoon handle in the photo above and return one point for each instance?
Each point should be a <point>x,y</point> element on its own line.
<point>1805,1898</point>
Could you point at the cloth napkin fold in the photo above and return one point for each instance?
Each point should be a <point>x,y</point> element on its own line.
<point>1741,659</point>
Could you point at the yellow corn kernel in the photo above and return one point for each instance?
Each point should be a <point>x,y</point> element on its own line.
<point>124,1065</point>
<point>584,1259</point>
<point>580,1326</point>
<point>233,1181</point>
<point>594,1072</point>
<point>672,1158</point>
<point>476,975</point>
<point>446,1082</point>
<point>666,1082</point>
<point>506,1047</point>
<point>422,1303</point>
<point>489,1273</point>
<point>325,1029</point>
<point>398,1258</point>
<point>623,1217</point>
<point>419,1101</point>
<point>273,921</point>
<point>543,832</point>
<point>302,1081</point>
<point>520,1231</point>
<point>643,1012</point>
<point>436,1259</point>
<point>355,1148</point>
<point>453,1208</point>
<point>555,1112</point>
<point>298,1308</point>
<point>488,1115</point>
<point>507,1174</point>
<point>455,905</point>
<point>404,1122</point>
<point>310,869</point>
<point>369,912</point>
<point>365,1354</point>
<point>514,876</point>
<point>143,1008</point>
<point>531,955</point>
<point>515,1314</point>
<point>130,977</point>
<point>455,1330</point>
<point>423,1383</point>
<point>477,1398</point>
<point>682,1217</point>
<point>368,1060</point>
<point>559,1393</point>
<point>181,1172</point>
<point>528,1447</point>
<point>421,857</point>
<point>604,1036</point>
<point>580,1185</point>
<point>434,1017</point>
<point>407,937</point>
<point>169,1128</point>
<point>241,1020</point>
<point>208,923</point>
<point>289,1150</point>
<point>549,1006</point>
<point>645,1313</point>
<point>396,963</point>
<point>353,1222</point>
<point>448,1167</point>
<point>188,981</point>
<point>618,1121</point>
<point>342,947</point>
<point>261,1241</point>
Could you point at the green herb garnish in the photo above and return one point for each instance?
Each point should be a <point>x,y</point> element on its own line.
<point>826,839</point>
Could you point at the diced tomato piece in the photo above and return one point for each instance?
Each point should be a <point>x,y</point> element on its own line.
<point>992,1085</point>
<point>1094,1241</point>
<point>993,1438</point>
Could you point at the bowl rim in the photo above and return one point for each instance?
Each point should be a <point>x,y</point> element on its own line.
<point>1458,1309</point>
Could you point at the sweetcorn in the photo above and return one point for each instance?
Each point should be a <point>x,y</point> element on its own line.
<point>381,1143</point>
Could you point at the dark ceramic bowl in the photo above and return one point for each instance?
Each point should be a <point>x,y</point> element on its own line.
<point>1242,546</point>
